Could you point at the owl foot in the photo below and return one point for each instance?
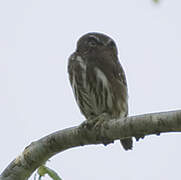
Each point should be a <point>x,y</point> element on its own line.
<point>95,123</point>
<point>99,120</point>
<point>98,123</point>
<point>87,124</point>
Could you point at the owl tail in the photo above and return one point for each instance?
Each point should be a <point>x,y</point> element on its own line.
<point>127,143</point>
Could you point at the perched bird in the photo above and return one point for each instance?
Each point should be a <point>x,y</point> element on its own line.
<point>98,80</point>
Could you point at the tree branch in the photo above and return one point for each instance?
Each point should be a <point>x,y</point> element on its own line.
<point>40,151</point>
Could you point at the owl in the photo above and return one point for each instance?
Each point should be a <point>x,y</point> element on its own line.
<point>98,80</point>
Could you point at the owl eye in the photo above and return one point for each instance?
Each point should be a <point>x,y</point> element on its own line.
<point>92,42</point>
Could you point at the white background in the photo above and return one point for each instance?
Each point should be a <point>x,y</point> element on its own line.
<point>36,39</point>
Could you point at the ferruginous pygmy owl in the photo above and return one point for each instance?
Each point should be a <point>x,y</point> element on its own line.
<point>98,80</point>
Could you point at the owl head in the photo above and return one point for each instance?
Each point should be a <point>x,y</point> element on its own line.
<point>95,42</point>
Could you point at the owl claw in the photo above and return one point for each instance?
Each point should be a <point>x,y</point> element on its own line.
<point>99,121</point>
<point>96,124</point>
<point>86,125</point>
<point>99,124</point>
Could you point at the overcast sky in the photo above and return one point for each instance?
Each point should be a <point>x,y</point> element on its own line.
<point>36,39</point>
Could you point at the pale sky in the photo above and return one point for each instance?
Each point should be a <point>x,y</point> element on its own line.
<point>36,39</point>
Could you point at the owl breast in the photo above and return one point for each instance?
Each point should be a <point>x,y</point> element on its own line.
<point>91,89</point>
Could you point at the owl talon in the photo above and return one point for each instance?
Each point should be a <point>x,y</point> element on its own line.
<point>99,121</point>
<point>97,127</point>
<point>87,124</point>
<point>99,124</point>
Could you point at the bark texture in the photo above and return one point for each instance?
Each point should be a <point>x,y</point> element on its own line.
<point>40,151</point>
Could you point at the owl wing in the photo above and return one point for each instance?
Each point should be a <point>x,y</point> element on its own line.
<point>115,74</point>
<point>77,77</point>
<point>71,63</point>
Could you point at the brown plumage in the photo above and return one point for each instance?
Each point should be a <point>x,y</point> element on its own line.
<point>98,80</point>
